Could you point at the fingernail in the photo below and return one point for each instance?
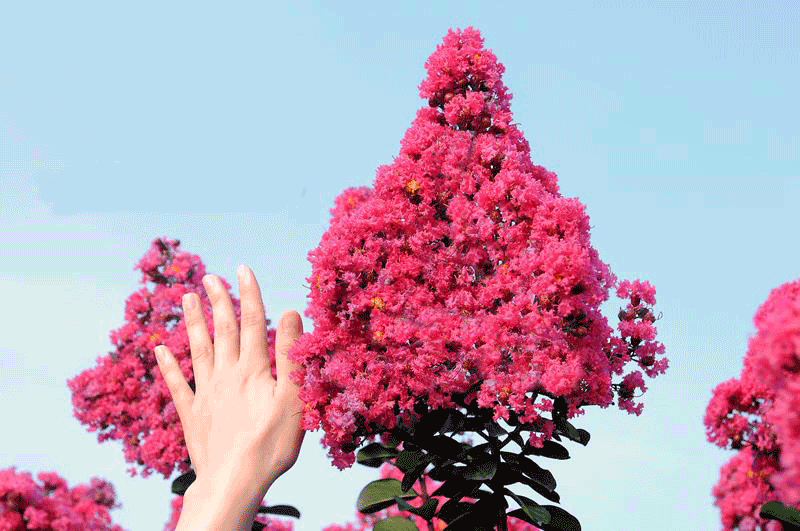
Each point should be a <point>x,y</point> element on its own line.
<point>210,282</point>
<point>161,353</point>
<point>244,274</point>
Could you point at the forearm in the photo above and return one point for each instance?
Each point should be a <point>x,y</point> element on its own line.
<point>220,507</point>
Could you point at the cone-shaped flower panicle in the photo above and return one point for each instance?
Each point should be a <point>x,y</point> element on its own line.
<point>462,264</point>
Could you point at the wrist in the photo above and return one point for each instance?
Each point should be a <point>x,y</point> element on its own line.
<point>221,504</point>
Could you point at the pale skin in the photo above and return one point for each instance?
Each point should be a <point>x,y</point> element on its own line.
<point>241,425</point>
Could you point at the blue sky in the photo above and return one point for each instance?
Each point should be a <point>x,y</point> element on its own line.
<point>233,127</point>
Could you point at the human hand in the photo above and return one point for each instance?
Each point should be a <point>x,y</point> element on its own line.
<point>239,423</point>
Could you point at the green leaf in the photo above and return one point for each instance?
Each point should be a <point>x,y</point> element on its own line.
<point>531,469</point>
<point>483,470</point>
<point>283,510</point>
<point>395,523</point>
<point>531,512</point>
<point>456,488</point>
<point>453,422</point>
<point>473,424</point>
<point>182,482</point>
<point>494,430</point>
<point>560,520</point>
<point>410,477</point>
<point>564,427</point>
<point>537,516</point>
<point>404,505</point>
<point>428,509</point>
<point>577,435</point>
<point>379,494</point>
<point>374,454</point>
<point>774,510</point>
<point>464,521</point>
<point>443,472</point>
<point>517,438</point>
<point>408,459</point>
<point>452,509</point>
<point>394,440</point>
<point>541,489</point>
<point>506,475</point>
<point>480,452</point>
<point>443,446</point>
<point>484,511</point>
<point>440,420</point>
<point>548,449</point>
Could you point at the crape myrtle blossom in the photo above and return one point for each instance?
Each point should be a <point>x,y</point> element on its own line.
<point>463,264</point>
<point>387,470</point>
<point>759,415</point>
<point>25,504</point>
<point>125,396</point>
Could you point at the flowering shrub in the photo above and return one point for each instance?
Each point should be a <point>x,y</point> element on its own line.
<point>125,396</point>
<point>24,504</point>
<point>463,265</point>
<point>767,466</point>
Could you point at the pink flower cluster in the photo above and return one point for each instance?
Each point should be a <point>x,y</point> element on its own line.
<point>269,523</point>
<point>24,504</point>
<point>464,264</point>
<point>759,415</point>
<point>125,396</point>
<point>387,470</point>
